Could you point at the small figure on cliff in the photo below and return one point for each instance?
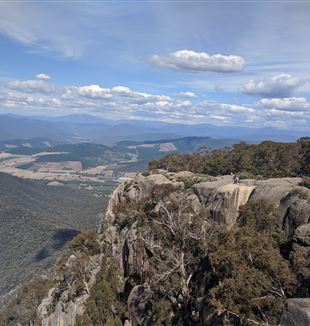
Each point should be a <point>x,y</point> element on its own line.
<point>235,178</point>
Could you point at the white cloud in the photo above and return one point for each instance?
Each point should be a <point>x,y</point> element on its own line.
<point>282,85</point>
<point>43,77</point>
<point>122,90</point>
<point>286,104</point>
<point>121,102</point>
<point>226,107</point>
<point>186,94</point>
<point>138,97</point>
<point>29,86</point>
<point>94,91</point>
<point>281,113</point>
<point>187,60</point>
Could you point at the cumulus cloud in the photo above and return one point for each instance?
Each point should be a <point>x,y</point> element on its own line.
<point>286,104</point>
<point>29,86</point>
<point>186,94</point>
<point>43,77</point>
<point>282,85</point>
<point>187,60</point>
<point>94,91</point>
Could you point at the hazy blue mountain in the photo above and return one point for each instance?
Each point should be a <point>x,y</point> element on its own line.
<point>87,128</point>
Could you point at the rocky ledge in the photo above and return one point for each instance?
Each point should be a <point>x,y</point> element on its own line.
<point>221,196</point>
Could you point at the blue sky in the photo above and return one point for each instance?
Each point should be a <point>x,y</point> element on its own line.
<point>226,63</point>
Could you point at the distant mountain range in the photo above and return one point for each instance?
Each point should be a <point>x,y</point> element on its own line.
<point>87,128</point>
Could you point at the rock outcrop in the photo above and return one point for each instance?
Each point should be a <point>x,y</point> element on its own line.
<point>223,198</point>
<point>302,235</point>
<point>296,312</point>
<point>140,187</point>
<point>60,308</point>
<point>60,316</point>
<point>138,305</point>
<point>287,195</point>
<point>133,244</point>
<point>219,196</point>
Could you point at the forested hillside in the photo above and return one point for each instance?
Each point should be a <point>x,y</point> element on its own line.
<point>267,159</point>
<point>36,221</point>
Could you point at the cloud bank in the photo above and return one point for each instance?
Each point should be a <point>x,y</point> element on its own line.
<point>282,85</point>
<point>191,61</point>
<point>286,104</point>
<point>122,102</point>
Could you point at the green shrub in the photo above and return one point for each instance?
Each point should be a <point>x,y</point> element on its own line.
<point>261,216</point>
<point>86,242</point>
<point>23,308</point>
<point>247,275</point>
<point>104,305</point>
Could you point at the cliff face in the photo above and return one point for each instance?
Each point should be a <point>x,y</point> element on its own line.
<point>222,197</point>
<point>165,244</point>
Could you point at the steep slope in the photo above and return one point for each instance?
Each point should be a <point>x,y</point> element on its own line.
<point>180,249</point>
<point>36,221</point>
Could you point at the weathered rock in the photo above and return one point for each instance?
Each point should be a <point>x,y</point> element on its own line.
<point>294,211</point>
<point>56,309</point>
<point>187,196</point>
<point>139,306</point>
<point>223,198</point>
<point>296,312</point>
<point>135,190</point>
<point>302,235</point>
<point>275,189</point>
<point>61,317</point>
<point>184,174</point>
<point>134,255</point>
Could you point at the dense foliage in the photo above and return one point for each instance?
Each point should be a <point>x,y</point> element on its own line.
<point>248,276</point>
<point>104,306</point>
<point>268,159</point>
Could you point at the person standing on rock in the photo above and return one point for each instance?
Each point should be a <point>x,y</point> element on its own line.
<point>235,178</point>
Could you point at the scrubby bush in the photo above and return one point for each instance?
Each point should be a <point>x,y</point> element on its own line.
<point>248,276</point>
<point>300,260</point>
<point>86,242</point>
<point>23,308</point>
<point>104,305</point>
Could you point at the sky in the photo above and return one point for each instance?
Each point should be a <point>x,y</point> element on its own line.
<point>240,63</point>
